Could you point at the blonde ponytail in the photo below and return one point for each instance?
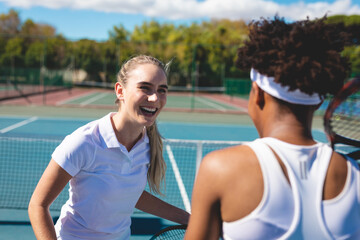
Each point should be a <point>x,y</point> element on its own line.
<point>157,169</point>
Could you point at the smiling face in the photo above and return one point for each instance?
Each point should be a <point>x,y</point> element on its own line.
<point>144,94</point>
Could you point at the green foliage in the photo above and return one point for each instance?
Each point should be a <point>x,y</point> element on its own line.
<point>353,53</point>
<point>201,53</point>
<point>57,53</point>
<point>88,57</point>
<point>347,20</point>
<point>10,23</point>
<point>34,54</point>
<point>118,34</point>
<point>109,56</point>
<point>13,53</point>
<point>32,29</point>
<point>352,25</point>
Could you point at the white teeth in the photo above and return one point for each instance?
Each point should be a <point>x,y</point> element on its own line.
<point>152,110</point>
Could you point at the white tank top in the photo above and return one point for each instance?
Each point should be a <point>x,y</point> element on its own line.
<point>298,212</point>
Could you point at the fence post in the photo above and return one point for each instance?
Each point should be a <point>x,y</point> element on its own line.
<point>193,77</point>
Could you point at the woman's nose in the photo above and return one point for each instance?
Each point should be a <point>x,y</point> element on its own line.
<point>153,97</point>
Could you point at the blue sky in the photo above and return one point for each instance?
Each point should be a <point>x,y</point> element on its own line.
<point>93,19</point>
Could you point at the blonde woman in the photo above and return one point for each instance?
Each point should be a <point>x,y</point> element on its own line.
<point>108,163</point>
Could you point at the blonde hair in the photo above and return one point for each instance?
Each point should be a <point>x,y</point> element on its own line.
<point>157,169</point>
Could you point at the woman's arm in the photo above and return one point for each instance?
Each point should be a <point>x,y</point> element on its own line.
<point>205,221</point>
<point>52,182</point>
<point>153,205</point>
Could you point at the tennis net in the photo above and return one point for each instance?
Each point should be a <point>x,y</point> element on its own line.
<point>23,160</point>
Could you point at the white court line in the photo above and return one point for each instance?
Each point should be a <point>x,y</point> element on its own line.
<point>19,124</point>
<point>93,99</point>
<point>179,180</point>
<point>242,109</point>
<point>65,101</point>
<point>217,106</point>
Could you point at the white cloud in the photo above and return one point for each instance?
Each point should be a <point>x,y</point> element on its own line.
<point>186,9</point>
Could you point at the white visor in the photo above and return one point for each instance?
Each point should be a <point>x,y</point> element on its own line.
<point>282,92</point>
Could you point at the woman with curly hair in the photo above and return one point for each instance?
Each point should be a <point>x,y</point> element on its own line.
<point>284,185</point>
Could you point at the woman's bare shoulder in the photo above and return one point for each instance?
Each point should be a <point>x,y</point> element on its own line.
<point>228,159</point>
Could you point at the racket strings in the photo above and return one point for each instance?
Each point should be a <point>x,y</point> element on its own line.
<point>345,120</point>
<point>174,234</point>
<point>171,233</point>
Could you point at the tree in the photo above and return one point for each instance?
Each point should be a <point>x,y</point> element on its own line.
<point>32,29</point>
<point>353,53</point>
<point>119,34</point>
<point>352,27</point>
<point>110,60</point>
<point>14,51</point>
<point>207,49</point>
<point>10,23</point>
<point>35,54</point>
<point>88,57</point>
<point>58,53</point>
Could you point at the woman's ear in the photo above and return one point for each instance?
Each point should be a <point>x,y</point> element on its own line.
<point>119,91</point>
<point>259,95</point>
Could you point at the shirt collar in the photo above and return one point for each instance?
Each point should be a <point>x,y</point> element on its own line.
<point>108,134</point>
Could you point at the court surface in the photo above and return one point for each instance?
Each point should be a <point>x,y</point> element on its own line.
<point>30,134</point>
<point>102,98</point>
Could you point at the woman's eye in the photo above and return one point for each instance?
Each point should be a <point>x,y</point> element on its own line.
<point>162,90</point>
<point>144,87</point>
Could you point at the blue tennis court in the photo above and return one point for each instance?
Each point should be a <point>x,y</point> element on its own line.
<point>57,128</point>
<point>175,101</point>
<point>27,143</point>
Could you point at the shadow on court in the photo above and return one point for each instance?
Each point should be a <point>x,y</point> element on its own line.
<point>15,225</point>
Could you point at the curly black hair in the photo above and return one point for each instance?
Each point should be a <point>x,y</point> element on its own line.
<point>304,55</point>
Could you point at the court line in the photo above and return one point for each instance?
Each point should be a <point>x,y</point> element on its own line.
<point>67,100</point>
<point>19,124</point>
<point>214,105</point>
<point>93,99</point>
<point>211,100</point>
<point>179,180</point>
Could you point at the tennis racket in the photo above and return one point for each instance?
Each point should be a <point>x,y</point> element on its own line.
<point>342,120</point>
<point>176,232</point>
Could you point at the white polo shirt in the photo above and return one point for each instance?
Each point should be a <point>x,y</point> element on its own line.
<point>106,184</point>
